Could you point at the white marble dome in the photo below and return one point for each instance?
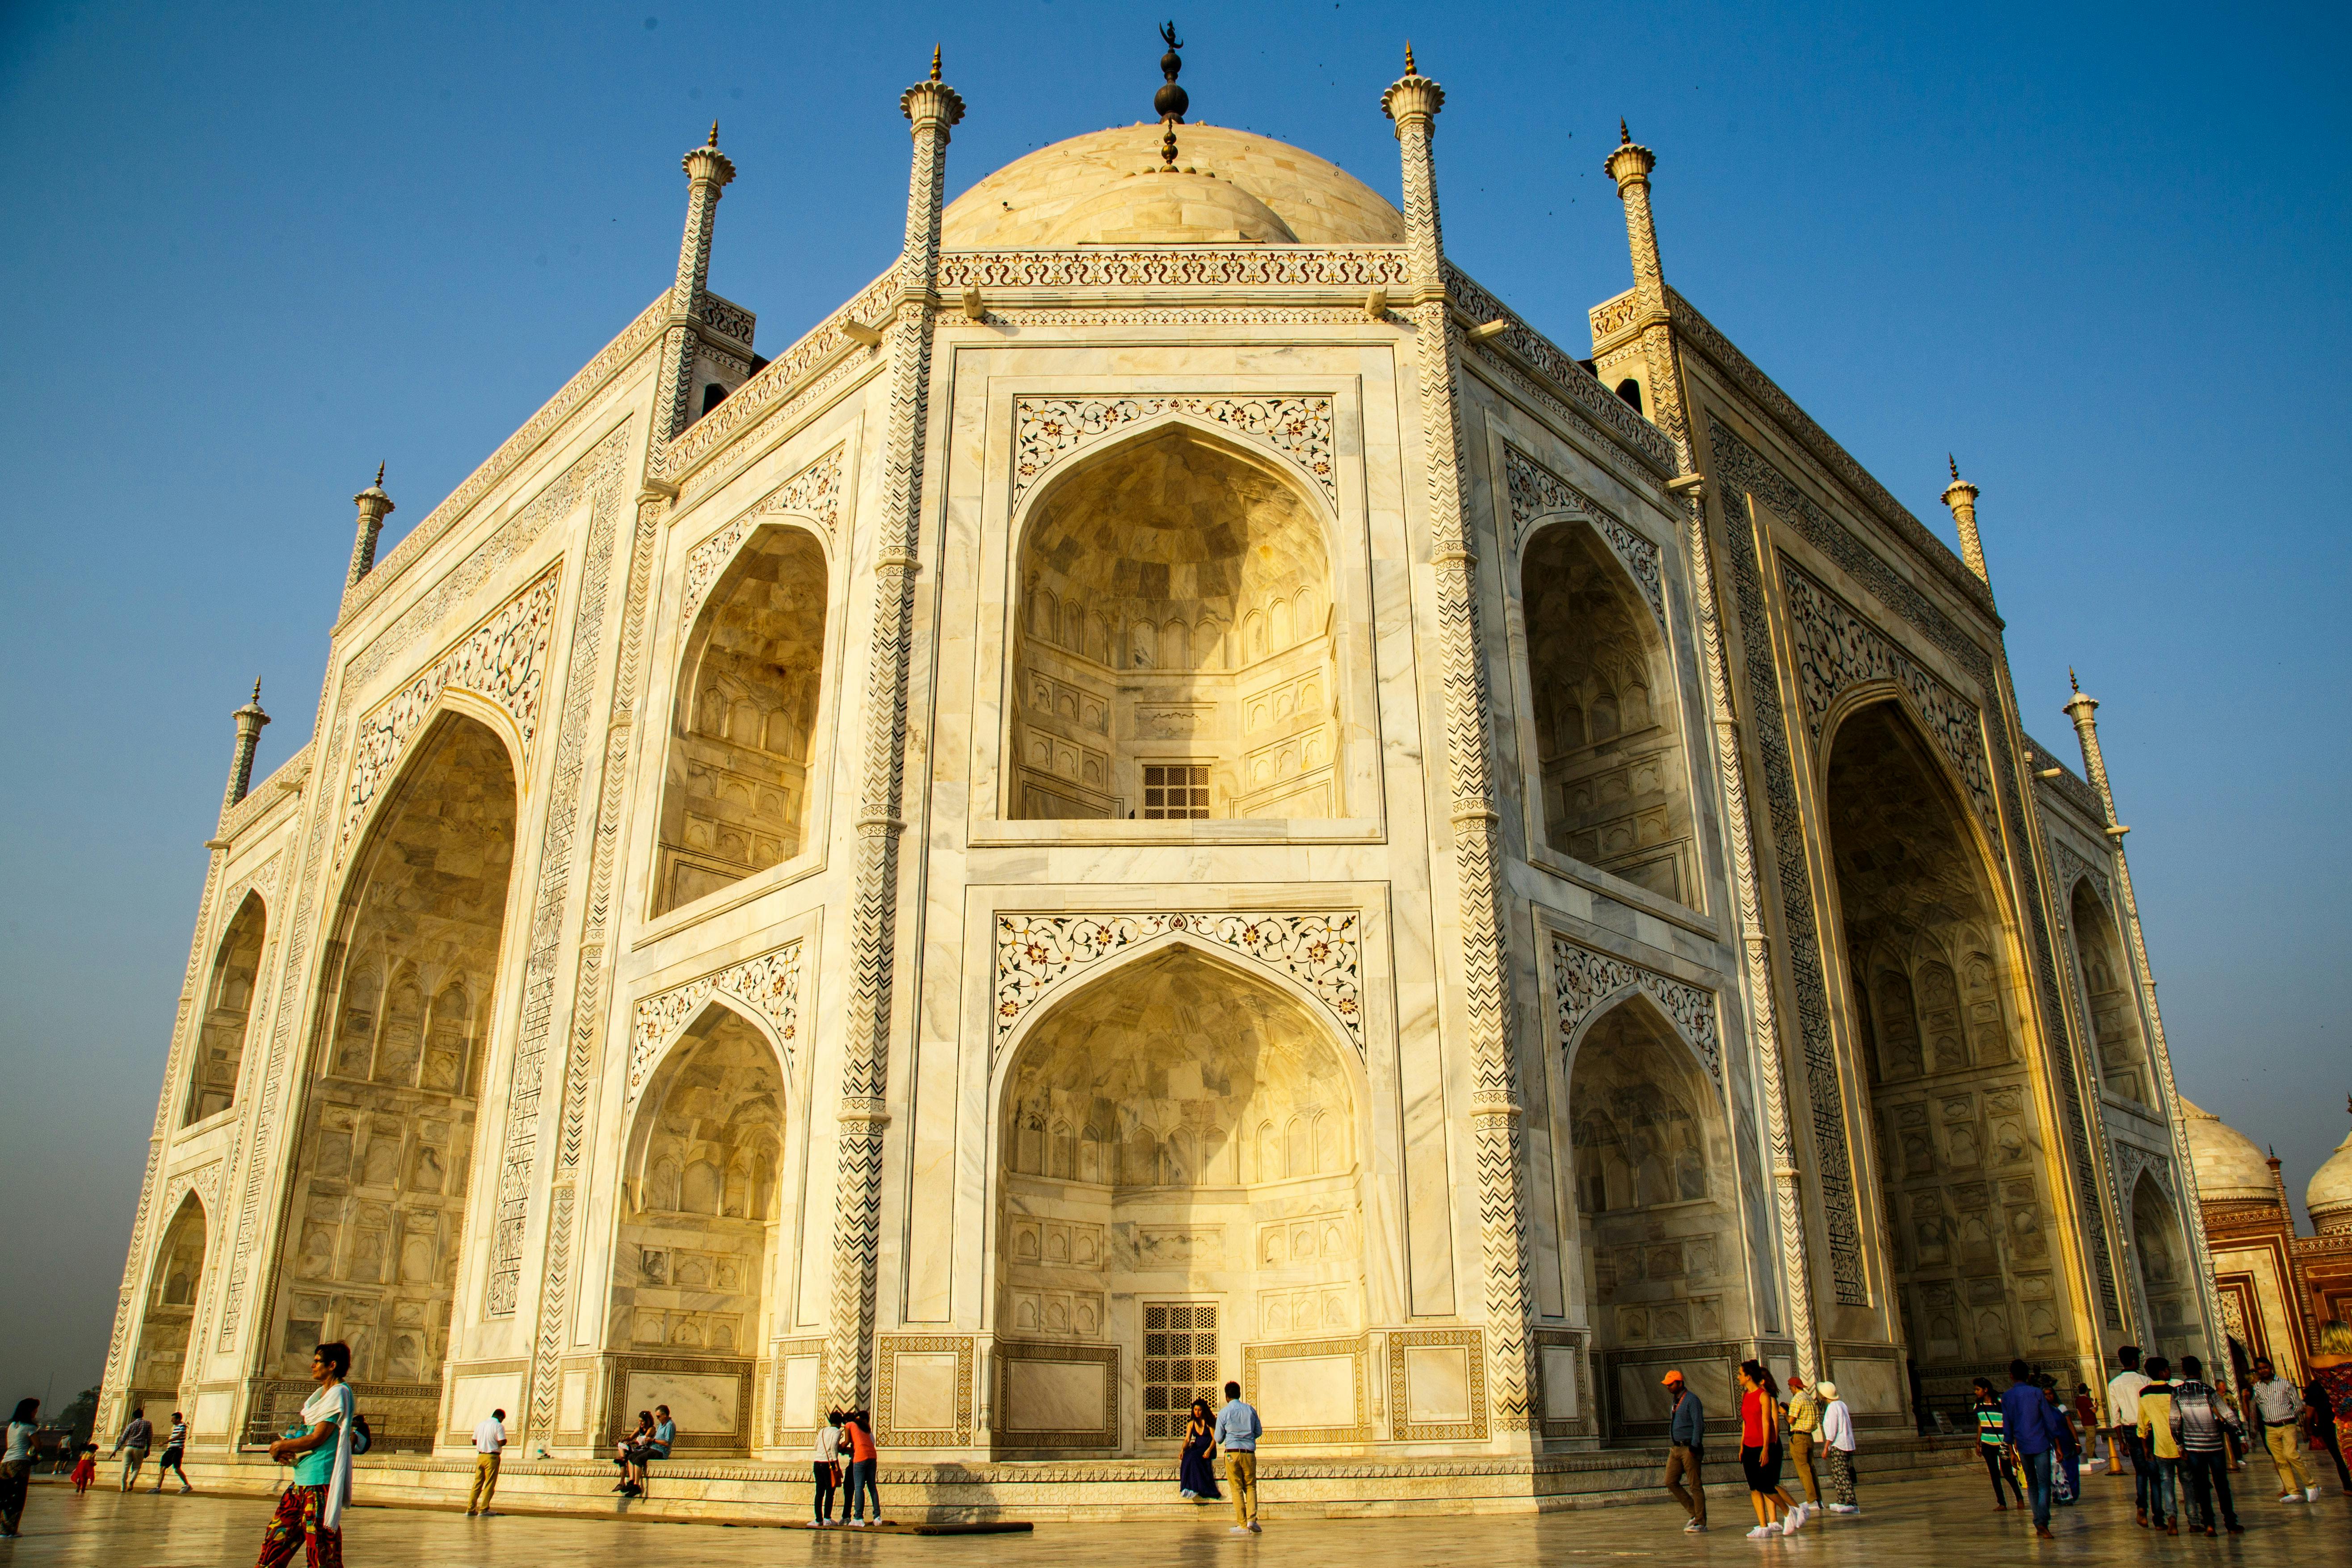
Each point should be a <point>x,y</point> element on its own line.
<point>1231,186</point>
<point>2329,1195</point>
<point>2229,1165</point>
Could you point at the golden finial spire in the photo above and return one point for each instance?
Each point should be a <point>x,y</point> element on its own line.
<point>2070,680</point>
<point>1625,137</point>
<point>257,688</point>
<point>1956,465</point>
<point>714,135</point>
<point>1408,58</point>
<point>379,475</point>
<point>935,62</point>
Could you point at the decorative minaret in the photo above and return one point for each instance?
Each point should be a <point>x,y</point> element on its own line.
<point>249,721</point>
<point>931,107</point>
<point>708,172</point>
<point>374,507</point>
<point>2083,709</point>
<point>1413,101</point>
<point>1961,497</point>
<point>1629,164</point>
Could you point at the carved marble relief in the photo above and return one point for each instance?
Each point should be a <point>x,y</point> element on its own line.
<point>814,492</point>
<point>1048,429</point>
<point>1035,955</point>
<point>1582,980</point>
<point>1536,492</point>
<point>769,984</point>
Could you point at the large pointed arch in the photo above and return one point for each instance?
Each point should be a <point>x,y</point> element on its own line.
<point>392,1071</point>
<point>1172,634</point>
<point>1179,1099</point>
<point>1946,1031</point>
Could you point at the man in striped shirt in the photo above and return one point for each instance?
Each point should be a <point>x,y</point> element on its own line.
<point>174,1447</point>
<point>2200,1424</point>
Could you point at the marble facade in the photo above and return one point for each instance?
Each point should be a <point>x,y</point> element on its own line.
<point>1171,795</point>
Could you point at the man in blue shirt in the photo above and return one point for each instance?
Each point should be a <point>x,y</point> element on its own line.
<point>2032,1422</point>
<point>1237,1435</point>
<point>1686,1431</point>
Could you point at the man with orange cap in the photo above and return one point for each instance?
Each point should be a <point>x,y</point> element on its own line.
<point>1686,1431</point>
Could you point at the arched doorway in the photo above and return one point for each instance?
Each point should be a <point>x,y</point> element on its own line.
<point>1616,793</point>
<point>1177,1177</point>
<point>370,1251</point>
<point>1175,650</point>
<point>228,1012</point>
<point>2167,1272</point>
<point>1664,1272</point>
<point>169,1315</point>
<point>1963,1158</point>
<point>693,1269</point>
<point>2107,988</point>
<point>735,795</point>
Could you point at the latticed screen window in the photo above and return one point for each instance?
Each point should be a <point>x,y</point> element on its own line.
<point>1180,1363</point>
<point>1172,790</point>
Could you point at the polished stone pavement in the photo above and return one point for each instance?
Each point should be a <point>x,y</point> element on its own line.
<point>1945,1521</point>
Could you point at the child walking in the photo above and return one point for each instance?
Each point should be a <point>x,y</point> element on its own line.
<point>85,1469</point>
<point>1993,1442</point>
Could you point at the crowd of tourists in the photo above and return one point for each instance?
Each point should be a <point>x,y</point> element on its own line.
<point>2179,1435</point>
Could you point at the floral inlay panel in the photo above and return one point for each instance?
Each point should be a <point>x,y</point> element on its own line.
<point>1047,429</point>
<point>1583,979</point>
<point>1035,955</point>
<point>503,660</point>
<point>814,492</point>
<point>769,984</point>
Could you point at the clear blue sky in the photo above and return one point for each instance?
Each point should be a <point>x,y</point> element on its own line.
<point>2098,251</point>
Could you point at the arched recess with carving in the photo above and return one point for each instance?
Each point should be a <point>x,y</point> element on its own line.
<point>228,1013</point>
<point>2109,996</point>
<point>395,1068</point>
<point>1175,645</point>
<point>1657,1208</point>
<point>168,1314</point>
<point>2167,1280</point>
<point>703,1201</point>
<point>1173,1135</point>
<point>743,724</point>
<point>1944,1025</point>
<point>1610,767</point>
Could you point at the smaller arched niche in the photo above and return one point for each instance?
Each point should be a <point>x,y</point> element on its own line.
<point>2107,988</point>
<point>1609,743</point>
<point>228,1010</point>
<point>171,1308</point>
<point>1655,1199</point>
<point>735,795</point>
<point>2166,1269</point>
<point>1174,648</point>
<point>700,1217</point>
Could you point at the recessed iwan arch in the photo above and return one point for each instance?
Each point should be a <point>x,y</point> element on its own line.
<point>1175,648</point>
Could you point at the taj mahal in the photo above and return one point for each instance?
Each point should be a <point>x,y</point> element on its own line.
<point>1169,794</point>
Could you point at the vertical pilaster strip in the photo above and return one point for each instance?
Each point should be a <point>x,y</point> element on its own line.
<point>931,107</point>
<point>1961,497</point>
<point>2083,709</point>
<point>374,506</point>
<point>249,719</point>
<point>1495,1111</point>
<point>1630,165</point>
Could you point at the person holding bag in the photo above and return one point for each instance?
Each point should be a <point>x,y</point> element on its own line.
<point>311,1514</point>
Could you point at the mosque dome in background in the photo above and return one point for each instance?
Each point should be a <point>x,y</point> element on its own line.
<point>2329,1195</point>
<point>2229,1166</point>
<point>1110,187</point>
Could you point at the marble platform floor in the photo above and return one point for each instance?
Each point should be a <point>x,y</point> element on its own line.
<point>1944,1520</point>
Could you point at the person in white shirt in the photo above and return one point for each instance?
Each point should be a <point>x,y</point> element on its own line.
<point>828,1471</point>
<point>1837,1439</point>
<point>2123,1423</point>
<point>490,1437</point>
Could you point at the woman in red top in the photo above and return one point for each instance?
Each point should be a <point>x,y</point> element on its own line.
<point>1759,1449</point>
<point>860,1430</point>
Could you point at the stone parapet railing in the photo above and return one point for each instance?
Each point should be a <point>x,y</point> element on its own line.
<point>285,779</point>
<point>1176,267</point>
<point>1562,369</point>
